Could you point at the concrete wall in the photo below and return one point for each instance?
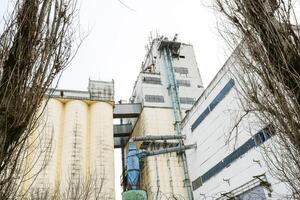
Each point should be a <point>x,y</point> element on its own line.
<point>162,176</point>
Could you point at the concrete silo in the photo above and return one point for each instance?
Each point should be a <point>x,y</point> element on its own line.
<point>79,126</point>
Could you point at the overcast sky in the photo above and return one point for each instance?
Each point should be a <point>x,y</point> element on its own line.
<point>115,46</point>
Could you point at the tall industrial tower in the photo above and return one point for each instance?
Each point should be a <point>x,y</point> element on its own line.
<point>167,86</point>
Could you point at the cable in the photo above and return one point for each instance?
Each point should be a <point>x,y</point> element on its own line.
<point>126,6</point>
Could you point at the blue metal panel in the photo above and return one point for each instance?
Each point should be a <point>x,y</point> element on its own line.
<point>221,95</point>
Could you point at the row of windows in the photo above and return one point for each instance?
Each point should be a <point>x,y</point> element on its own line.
<point>187,100</point>
<point>152,80</point>
<point>254,141</point>
<point>185,83</point>
<point>214,103</point>
<point>181,70</point>
<point>156,80</point>
<point>160,99</point>
<point>154,98</point>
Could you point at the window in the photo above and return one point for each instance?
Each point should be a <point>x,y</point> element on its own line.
<point>187,100</point>
<point>222,94</point>
<point>197,183</point>
<point>185,83</point>
<point>151,80</point>
<point>254,141</point>
<point>181,70</point>
<point>257,193</point>
<point>200,119</point>
<point>154,98</point>
<point>262,135</point>
<point>259,138</point>
<point>181,56</point>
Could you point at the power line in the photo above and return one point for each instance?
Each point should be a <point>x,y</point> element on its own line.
<point>126,6</point>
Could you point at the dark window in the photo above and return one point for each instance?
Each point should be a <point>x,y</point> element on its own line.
<point>181,70</point>
<point>256,192</point>
<point>181,56</point>
<point>197,183</point>
<point>262,135</point>
<point>254,141</point>
<point>151,80</point>
<point>222,94</point>
<point>185,83</point>
<point>200,119</point>
<point>259,138</point>
<point>154,98</point>
<point>187,100</point>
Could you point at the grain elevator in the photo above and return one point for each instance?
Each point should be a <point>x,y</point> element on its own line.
<point>75,135</point>
<point>167,86</point>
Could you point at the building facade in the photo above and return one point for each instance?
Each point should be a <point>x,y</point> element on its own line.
<point>168,85</point>
<point>228,162</point>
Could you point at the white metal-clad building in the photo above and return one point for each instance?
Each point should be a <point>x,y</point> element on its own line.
<point>228,161</point>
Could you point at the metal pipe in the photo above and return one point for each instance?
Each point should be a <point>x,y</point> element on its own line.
<point>173,89</point>
<point>179,149</point>
<point>123,168</point>
<point>170,175</point>
<point>158,137</point>
<point>157,179</point>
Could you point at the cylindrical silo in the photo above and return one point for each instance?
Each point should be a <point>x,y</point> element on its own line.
<point>43,149</point>
<point>74,143</point>
<point>54,128</point>
<point>101,163</point>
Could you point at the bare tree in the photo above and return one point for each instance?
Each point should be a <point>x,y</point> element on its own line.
<point>266,35</point>
<point>37,43</point>
<point>83,188</point>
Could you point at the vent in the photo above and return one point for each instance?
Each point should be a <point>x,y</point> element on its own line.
<point>152,80</point>
<point>185,83</point>
<point>187,100</point>
<point>181,70</point>
<point>154,98</point>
